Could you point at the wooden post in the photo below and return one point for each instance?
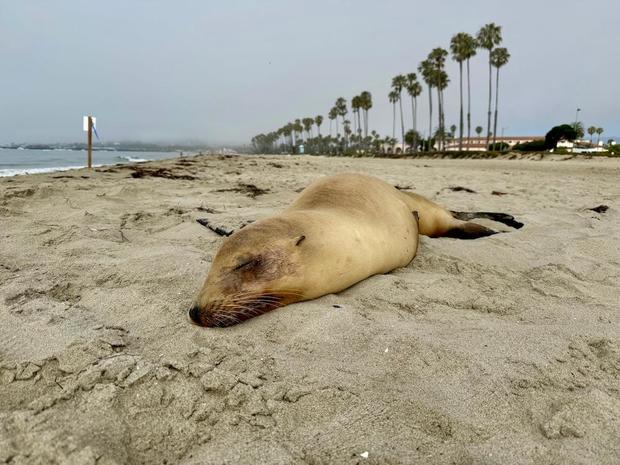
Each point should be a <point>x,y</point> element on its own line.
<point>90,142</point>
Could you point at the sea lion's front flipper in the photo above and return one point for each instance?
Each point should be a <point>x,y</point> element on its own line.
<point>503,218</point>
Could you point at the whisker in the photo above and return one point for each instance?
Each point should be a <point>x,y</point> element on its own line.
<point>227,317</point>
<point>242,305</point>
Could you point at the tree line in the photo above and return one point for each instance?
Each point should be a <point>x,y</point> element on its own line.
<point>355,134</point>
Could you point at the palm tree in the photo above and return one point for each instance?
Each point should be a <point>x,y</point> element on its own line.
<point>479,130</point>
<point>398,84</point>
<point>414,89</point>
<point>599,131</point>
<point>453,131</point>
<point>356,104</point>
<point>360,104</point>
<point>286,134</point>
<point>463,47</point>
<point>332,115</point>
<point>437,58</point>
<point>341,109</point>
<point>299,128</point>
<point>426,70</point>
<point>318,120</point>
<point>346,124</point>
<point>489,36</point>
<point>291,133</point>
<point>578,125</point>
<point>591,131</point>
<point>393,98</point>
<point>366,105</point>
<point>308,123</point>
<point>469,48</point>
<point>442,81</point>
<point>499,57</point>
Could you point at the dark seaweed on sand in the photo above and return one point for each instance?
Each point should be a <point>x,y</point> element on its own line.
<point>250,190</point>
<point>142,172</point>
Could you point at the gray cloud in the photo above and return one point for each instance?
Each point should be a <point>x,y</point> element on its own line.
<point>224,71</point>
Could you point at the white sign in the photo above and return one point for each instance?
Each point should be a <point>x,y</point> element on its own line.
<point>85,122</point>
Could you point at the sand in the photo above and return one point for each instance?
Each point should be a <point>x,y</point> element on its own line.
<point>500,350</point>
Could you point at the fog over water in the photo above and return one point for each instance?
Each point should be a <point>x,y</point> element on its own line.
<point>221,72</point>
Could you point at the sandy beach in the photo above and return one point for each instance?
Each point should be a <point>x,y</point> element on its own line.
<point>499,350</point>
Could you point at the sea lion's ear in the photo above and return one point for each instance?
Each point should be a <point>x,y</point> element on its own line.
<point>415,214</point>
<point>299,240</point>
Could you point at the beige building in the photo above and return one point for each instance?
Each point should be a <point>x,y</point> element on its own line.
<point>479,144</point>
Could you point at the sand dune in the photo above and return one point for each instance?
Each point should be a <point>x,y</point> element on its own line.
<point>500,350</point>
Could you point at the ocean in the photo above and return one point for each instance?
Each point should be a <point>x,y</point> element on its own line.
<point>14,162</point>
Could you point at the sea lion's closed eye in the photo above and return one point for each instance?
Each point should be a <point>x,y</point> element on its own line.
<point>247,264</point>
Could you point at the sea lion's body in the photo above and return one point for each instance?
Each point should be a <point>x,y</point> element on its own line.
<point>356,227</point>
<point>340,230</point>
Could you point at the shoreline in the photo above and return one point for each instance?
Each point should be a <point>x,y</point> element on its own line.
<point>19,165</point>
<point>509,156</point>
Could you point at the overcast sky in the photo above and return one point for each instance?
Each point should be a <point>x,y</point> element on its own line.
<point>222,71</point>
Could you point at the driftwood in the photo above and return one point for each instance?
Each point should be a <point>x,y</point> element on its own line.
<point>219,230</point>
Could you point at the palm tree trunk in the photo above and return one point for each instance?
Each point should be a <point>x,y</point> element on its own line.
<point>495,118</point>
<point>330,127</point>
<point>490,96</point>
<point>461,114</point>
<point>366,123</point>
<point>430,118</point>
<point>359,123</point>
<point>415,123</point>
<point>402,122</point>
<point>439,110</point>
<point>393,120</point>
<point>468,108</point>
<point>443,122</point>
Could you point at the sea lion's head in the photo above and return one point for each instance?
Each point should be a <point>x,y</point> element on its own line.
<point>257,269</point>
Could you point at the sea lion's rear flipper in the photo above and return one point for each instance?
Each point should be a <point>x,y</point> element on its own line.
<point>504,218</point>
<point>468,230</point>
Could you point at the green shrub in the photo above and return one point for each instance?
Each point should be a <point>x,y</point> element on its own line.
<point>614,149</point>
<point>498,147</point>
<point>533,146</point>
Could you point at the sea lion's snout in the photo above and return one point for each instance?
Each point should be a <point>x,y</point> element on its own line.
<point>194,315</point>
<point>221,314</point>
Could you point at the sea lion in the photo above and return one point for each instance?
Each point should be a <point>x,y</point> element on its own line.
<point>340,230</point>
